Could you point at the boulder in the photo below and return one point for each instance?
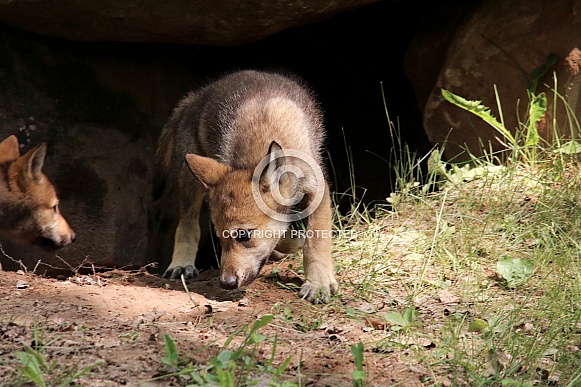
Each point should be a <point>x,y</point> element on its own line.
<point>99,113</point>
<point>503,44</point>
<point>173,21</point>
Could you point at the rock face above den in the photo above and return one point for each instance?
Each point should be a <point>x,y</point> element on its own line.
<point>174,21</point>
<point>502,44</point>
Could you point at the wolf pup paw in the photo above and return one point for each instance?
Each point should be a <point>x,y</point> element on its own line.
<point>318,293</point>
<point>189,272</point>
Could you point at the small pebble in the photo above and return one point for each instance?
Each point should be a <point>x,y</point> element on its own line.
<point>20,284</point>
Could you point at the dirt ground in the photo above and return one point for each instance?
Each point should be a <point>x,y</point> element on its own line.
<point>120,318</point>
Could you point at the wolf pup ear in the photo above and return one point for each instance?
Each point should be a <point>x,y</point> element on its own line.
<point>207,170</point>
<point>276,160</point>
<point>9,149</point>
<point>276,173</point>
<point>34,159</point>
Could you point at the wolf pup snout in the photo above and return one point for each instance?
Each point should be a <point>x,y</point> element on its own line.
<point>229,283</point>
<point>29,206</point>
<point>252,141</point>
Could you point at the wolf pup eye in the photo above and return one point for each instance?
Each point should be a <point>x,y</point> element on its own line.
<point>243,236</point>
<point>56,209</point>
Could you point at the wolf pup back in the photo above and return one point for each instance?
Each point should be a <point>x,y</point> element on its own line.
<point>29,206</point>
<point>249,145</point>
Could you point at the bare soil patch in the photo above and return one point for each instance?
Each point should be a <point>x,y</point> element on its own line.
<point>120,318</point>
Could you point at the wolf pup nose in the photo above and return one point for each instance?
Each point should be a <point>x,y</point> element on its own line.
<point>29,206</point>
<point>229,283</point>
<point>252,141</point>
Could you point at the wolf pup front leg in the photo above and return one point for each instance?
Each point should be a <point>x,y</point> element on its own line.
<point>187,237</point>
<point>173,185</point>
<point>293,188</point>
<point>320,280</point>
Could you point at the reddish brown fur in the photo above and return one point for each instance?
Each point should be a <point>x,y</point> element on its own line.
<point>29,209</point>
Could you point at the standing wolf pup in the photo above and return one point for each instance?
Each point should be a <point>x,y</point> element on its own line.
<point>250,139</point>
<point>29,207</point>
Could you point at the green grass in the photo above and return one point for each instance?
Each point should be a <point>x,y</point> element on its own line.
<point>490,265</point>
<point>37,368</point>
<point>239,367</point>
<point>487,257</point>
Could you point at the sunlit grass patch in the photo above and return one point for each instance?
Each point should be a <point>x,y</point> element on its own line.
<point>490,265</point>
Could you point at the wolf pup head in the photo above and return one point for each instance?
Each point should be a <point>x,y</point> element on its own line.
<point>29,206</point>
<point>248,236</point>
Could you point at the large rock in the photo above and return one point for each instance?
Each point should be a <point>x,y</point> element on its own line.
<point>99,114</point>
<point>499,44</point>
<point>173,21</point>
